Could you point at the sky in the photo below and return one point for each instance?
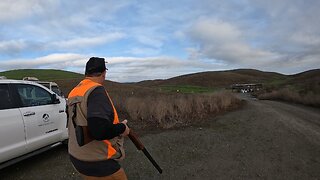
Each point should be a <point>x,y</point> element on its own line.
<point>145,39</point>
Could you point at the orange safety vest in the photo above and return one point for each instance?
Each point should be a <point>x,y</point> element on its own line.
<point>94,150</point>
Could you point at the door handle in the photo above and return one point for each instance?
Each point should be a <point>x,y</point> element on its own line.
<point>29,113</point>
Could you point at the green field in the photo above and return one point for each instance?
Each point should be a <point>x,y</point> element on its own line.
<point>186,89</point>
<point>41,74</point>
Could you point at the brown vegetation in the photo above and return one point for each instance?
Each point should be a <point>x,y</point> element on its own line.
<point>302,88</point>
<point>142,103</point>
<point>147,107</point>
<point>288,95</point>
<point>173,110</point>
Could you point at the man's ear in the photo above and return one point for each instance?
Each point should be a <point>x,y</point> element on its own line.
<point>104,74</point>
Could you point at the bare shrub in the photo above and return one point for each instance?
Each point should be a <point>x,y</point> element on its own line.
<point>172,110</point>
<point>288,95</point>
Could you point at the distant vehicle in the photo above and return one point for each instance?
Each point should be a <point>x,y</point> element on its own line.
<point>50,85</point>
<point>32,119</point>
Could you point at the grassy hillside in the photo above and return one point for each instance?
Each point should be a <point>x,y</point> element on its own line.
<point>190,83</point>
<point>41,74</point>
<point>197,82</point>
<point>68,80</point>
<point>185,89</point>
<point>302,88</point>
<point>306,80</point>
<point>172,102</point>
<point>216,79</point>
<point>301,82</point>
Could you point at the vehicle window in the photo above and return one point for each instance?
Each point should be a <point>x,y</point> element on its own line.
<point>6,101</point>
<point>47,85</point>
<point>56,90</point>
<point>31,95</point>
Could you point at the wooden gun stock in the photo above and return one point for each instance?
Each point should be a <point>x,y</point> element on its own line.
<point>134,138</point>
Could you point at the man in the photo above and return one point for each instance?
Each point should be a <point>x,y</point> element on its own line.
<point>95,133</point>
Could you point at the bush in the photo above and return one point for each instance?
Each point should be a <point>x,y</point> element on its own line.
<point>288,95</point>
<point>173,110</point>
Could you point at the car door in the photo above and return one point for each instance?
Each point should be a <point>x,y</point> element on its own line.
<point>40,116</point>
<point>12,134</point>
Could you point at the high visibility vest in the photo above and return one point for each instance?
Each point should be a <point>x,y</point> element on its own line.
<point>94,150</point>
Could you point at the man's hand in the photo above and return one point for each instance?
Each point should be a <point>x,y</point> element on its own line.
<point>126,132</point>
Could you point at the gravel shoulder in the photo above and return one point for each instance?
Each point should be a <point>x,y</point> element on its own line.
<point>262,140</point>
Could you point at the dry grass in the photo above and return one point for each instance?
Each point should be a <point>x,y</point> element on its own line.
<point>147,107</point>
<point>173,110</point>
<point>309,98</point>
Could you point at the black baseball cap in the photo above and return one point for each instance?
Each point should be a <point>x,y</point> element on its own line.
<point>95,65</point>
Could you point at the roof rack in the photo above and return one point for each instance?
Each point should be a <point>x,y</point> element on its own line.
<point>30,79</point>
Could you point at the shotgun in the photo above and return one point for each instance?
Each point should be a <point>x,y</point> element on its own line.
<point>134,138</point>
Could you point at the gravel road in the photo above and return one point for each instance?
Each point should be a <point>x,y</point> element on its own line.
<point>262,140</point>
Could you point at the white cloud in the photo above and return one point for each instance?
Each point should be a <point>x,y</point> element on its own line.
<point>150,41</point>
<point>212,30</point>
<point>52,60</point>
<point>144,51</point>
<point>305,39</point>
<point>223,41</point>
<point>124,69</point>
<point>20,9</point>
<point>85,42</point>
<point>121,69</point>
<point>12,46</point>
<point>55,19</point>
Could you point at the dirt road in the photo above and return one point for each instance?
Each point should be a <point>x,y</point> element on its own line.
<point>263,140</point>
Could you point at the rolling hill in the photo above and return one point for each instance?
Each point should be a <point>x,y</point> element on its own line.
<point>41,74</point>
<point>68,80</point>
<point>216,79</point>
<point>213,79</point>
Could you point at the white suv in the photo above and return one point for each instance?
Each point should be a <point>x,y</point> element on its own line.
<point>32,120</point>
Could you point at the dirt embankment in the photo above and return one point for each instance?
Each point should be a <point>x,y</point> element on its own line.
<point>263,140</point>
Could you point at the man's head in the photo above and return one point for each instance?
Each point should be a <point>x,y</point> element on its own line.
<point>96,69</point>
<point>95,66</point>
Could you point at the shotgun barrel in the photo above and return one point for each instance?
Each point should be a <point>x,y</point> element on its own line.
<point>134,138</point>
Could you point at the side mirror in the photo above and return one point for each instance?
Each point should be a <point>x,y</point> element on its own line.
<point>55,99</point>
